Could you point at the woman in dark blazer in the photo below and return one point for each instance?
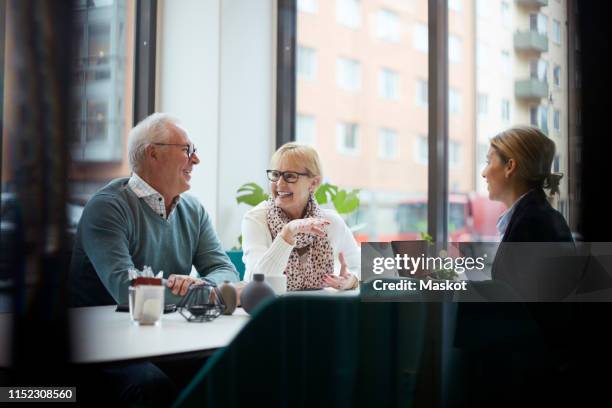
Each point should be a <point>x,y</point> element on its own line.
<point>518,170</point>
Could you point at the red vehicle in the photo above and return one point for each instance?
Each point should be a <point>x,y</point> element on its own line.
<point>470,218</point>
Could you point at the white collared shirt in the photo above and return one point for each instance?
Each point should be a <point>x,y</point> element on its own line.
<point>150,196</point>
<point>504,219</point>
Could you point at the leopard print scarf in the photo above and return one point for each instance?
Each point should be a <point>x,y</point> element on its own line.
<point>319,257</point>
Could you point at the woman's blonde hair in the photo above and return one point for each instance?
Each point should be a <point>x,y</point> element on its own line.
<point>302,154</point>
<point>533,152</point>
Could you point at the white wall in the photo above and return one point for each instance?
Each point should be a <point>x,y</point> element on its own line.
<point>215,73</point>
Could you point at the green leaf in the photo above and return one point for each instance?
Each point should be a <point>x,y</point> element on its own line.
<point>346,202</point>
<point>325,193</point>
<point>251,194</point>
<point>426,237</point>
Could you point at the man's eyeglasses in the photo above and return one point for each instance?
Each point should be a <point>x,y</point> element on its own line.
<point>190,149</point>
<point>288,176</point>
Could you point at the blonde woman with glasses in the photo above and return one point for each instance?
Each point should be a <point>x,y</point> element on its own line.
<point>290,234</point>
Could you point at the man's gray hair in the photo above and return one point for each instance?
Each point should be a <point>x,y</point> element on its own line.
<point>152,129</point>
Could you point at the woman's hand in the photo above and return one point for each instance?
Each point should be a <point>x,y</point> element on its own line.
<point>345,280</point>
<point>314,226</point>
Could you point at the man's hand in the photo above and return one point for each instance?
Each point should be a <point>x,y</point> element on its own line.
<point>181,283</point>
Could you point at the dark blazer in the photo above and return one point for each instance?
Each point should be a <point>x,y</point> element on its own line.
<point>534,220</point>
<point>535,270</point>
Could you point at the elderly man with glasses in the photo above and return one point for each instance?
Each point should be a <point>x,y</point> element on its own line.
<point>147,220</point>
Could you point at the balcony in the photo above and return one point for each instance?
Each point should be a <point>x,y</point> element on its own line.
<point>530,41</point>
<point>532,3</point>
<point>531,89</point>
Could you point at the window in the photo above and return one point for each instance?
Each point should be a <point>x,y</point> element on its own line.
<point>454,49</point>
<point>454,101</point>
<point>306,63</point>
<point>455,154</point>
<point>505,110</point>
<point>305,129</point>
<point>455,5</point>
<point>556,32</point>
<point>421,93</point>
<point>100,85</point>
<point>308,6</point>
<point>421,39</point>
<point>388,144</point>
<point>538,116</point>
<point>557,120</point>
<point>538,23</point>
<point>506,14</point>
<point>376,109</point>
<point>348,138</point>
<point>422,149</point>
<point>388,26</point>
<point>506,63</point>
<point>557,75</point>
<point>348,13</point>
<point>483,105</point>
<point>556,164</point>
<point>538,70</point>
<point>388,84</point>
<point>348,74</point>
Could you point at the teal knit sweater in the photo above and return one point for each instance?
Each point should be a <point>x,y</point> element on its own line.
<point>118,231</point>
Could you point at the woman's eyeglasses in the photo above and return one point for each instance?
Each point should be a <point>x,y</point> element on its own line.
<point>288,176</point>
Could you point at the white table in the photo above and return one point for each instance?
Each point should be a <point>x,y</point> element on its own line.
<point>99,334</point>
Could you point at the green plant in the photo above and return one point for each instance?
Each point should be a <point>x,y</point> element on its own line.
<point>344,202</point>
<point>443,273</point>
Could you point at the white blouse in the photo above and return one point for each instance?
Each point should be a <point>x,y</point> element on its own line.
<point>262,255</point>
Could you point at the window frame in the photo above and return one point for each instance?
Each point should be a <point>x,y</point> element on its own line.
<point>437,106</point>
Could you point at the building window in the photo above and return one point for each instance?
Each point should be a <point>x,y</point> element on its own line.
<point>100,86</point>
<point>455,5</point>
<point>308,6</point>
<point>505,110</point>
<point>348,74</point>
<point>557,75</point>
<point>347,135</point>
<point>388,84</point>
<point>557,120</point>
<point>306,63</point>
<point>422,149</point>
<point>483,105</point>
<point>348,13</point>
<point>454,101</point>
<point>454,49</point>
<point>538,23</point>
<point>538,116</point>
<point>455,153</point>
<point>388,26</point>
<point>556,32</point>
<point>388,144</point>
<point>305,130</point>
<point>421,39</point>
<point>538,69</point>
<point>506,14</point>
<point>506,63</point>
<point>421,93</point>
<point>556,164</point>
